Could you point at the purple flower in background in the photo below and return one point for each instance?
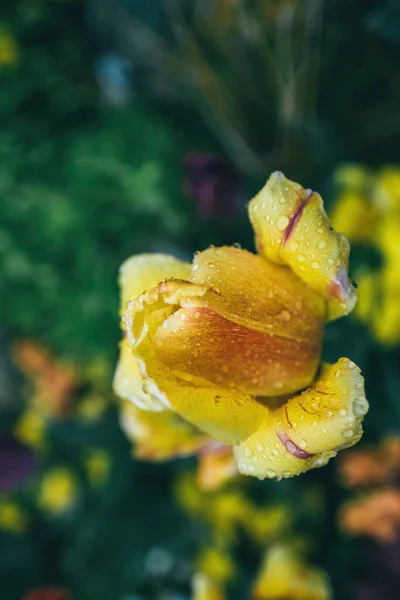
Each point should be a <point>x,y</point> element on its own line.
<point>371,590</point>
<point>213,183</point>
<point>17,464</point>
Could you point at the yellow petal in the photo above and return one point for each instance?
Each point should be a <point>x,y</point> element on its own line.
<point>205,351</point>
<point>292,228</point>
<point>225,413</point>
<point>144,271</point>
<point>137,274</point>
<point>284,575</point>
<point>309,429</point>
<point>160,436</point>
<point>128,383</point>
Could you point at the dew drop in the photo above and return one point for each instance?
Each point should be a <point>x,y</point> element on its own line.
<point>270,473</point>
<point>248,452</point>
<point>343,412</point>
<point>278,385</point>
<point>275,452</point>
<point>315,265</point>
<point>301,257</point>
<point>302,444</point>
<point>285,316</point>
<point>321,245</point>
<point>260,447</point>
<point>360,406</point>
<point>195,267</point>
<point>282,223</point>
<point>294,246</point>
<point>237,246</point>
<point>347,434</point>
<point>314,424</point>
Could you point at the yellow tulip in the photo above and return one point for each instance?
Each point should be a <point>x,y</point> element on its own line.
<point>226,341</point>
<point>284,575</point>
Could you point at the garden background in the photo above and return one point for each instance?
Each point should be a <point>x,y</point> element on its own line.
<point>146,126</point>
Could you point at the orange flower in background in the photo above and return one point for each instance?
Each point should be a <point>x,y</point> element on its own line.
<point>225,343</point>
<point>371,465</point>
<point>376,515</point>
<point>54,383</point>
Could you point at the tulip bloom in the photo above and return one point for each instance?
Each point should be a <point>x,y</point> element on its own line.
<point>228,343</point>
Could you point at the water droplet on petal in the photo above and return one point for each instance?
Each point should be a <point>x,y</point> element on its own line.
<point>248,452</point>
<point>278,385</point>
<point>315,265</point>
<point>302,444</point>
<point>347,434</point>
<point>301,257</point>
<point>282,223</point>
<point>321,245</point>
<point>360,406</point>
<point>285,316</point>
<point>270,473</point>
<point>260,447</point>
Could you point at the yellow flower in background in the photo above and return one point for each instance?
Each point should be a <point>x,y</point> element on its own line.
<point>13,519</point>
<point>216,564</point>
<point>283,575</point>
<point>9,52</point>
<point>226,342</point>
<point>228,512</point>
<point>205,588</point>
<point>58,491</point>
<point>98,465</point>
<point>91,408</point>
<point>215,468</point>
<point>367,211</point>
<point>30,429</point>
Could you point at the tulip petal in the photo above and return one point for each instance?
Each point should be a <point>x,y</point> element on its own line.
<point>226,414</point>
<point>309,429</point>
<point>128,383</point>
<point>256,326</point>
<point>144,271</point>
<point>160,436</point>
<point>136,274</point>
<point>292,228</point>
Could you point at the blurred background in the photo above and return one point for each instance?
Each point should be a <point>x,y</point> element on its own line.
<point>133,126</point>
